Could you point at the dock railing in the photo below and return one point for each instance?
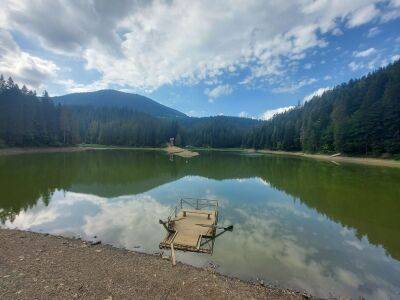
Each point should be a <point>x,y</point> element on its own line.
<point>194,203</point>
<point>198,204</point>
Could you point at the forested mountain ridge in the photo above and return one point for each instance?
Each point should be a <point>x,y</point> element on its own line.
<point>28,120</point>
<point>361,117</point>
<point>113,98</point>
<point>358,117</point>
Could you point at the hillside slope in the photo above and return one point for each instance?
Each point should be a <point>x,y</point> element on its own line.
<point>358,117</point>
<point>112,98</point>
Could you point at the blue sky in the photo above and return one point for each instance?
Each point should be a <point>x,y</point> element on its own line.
<point>240,58</point>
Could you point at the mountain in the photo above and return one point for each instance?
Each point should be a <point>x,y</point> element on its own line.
<point>113,98</point>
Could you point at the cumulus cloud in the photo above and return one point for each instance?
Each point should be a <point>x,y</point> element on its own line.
<point>395,57</point>
<point>269,114</point>
<point>294,86</point>
<point>364,53</point>
<point>363,15</point>
<point>316,93</point>
<point>145,45</point>
<point>218,91</point>
<point>70,26</point>
<point>22,66</point>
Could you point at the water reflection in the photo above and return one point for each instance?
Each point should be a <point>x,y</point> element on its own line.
<point>298,223</point>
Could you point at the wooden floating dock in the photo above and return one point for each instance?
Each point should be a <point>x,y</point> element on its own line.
<point>192,226</point>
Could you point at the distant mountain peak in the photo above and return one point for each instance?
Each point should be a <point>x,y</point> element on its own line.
<point>115,98</point>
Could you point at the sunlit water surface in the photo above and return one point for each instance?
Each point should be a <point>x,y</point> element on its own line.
<point>332,230</point>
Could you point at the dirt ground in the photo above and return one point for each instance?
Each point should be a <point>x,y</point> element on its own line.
<point>40,266</point>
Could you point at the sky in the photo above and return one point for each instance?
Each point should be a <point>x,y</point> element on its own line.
<point>236,57</point>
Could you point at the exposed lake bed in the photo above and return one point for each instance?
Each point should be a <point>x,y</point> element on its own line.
<point>302,224</point>
<point>43,266</point>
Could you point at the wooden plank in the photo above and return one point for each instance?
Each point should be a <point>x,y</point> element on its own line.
<point>173,257</point>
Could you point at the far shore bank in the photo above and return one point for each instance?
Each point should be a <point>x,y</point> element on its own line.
<point>42,266</point>
<point>191,152</point>
<point>382,162</point>
<point>14,151</point>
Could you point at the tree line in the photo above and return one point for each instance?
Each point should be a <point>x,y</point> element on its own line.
<point>29,120</point>
<point>358,117</point>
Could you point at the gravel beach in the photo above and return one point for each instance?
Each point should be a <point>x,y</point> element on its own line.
<point>40,266</point>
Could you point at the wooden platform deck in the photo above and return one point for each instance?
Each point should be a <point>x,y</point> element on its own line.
<point>189,228</point>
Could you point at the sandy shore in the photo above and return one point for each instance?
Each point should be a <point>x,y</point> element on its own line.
<point>338,159</point>
<point>181,152</point>
<point>39,266</point>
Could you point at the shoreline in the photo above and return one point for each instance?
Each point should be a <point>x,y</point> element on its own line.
<point>382,162</point>
<point>28,150</point>
<point>36,265</point>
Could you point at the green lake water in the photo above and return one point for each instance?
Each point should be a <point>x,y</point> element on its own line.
<point>332,230</point>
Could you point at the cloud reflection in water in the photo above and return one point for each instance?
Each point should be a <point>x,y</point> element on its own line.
<point>275,237</point>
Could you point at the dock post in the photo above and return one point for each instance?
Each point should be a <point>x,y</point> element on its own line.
<point>173,257</point>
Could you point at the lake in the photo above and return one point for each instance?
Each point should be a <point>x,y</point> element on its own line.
<point>332,230</point>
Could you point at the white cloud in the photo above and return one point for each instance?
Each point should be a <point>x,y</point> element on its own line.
<point>337,31</point>
<point>294,86</point>
<point>22,66</point>
<point>327,77</point>
<point>243,114</point>
<point>145,44</point>
<point>316,93</point>
<point>308,66</point>
<point>395,57</point>
<point>355,66</point>
<point>218,91</point>
<point>392,12</point>
<point>364,53</point>
<point>373,32</point>
<point>267,115</point>
<point>363,15</point>
<point>71,86</point>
